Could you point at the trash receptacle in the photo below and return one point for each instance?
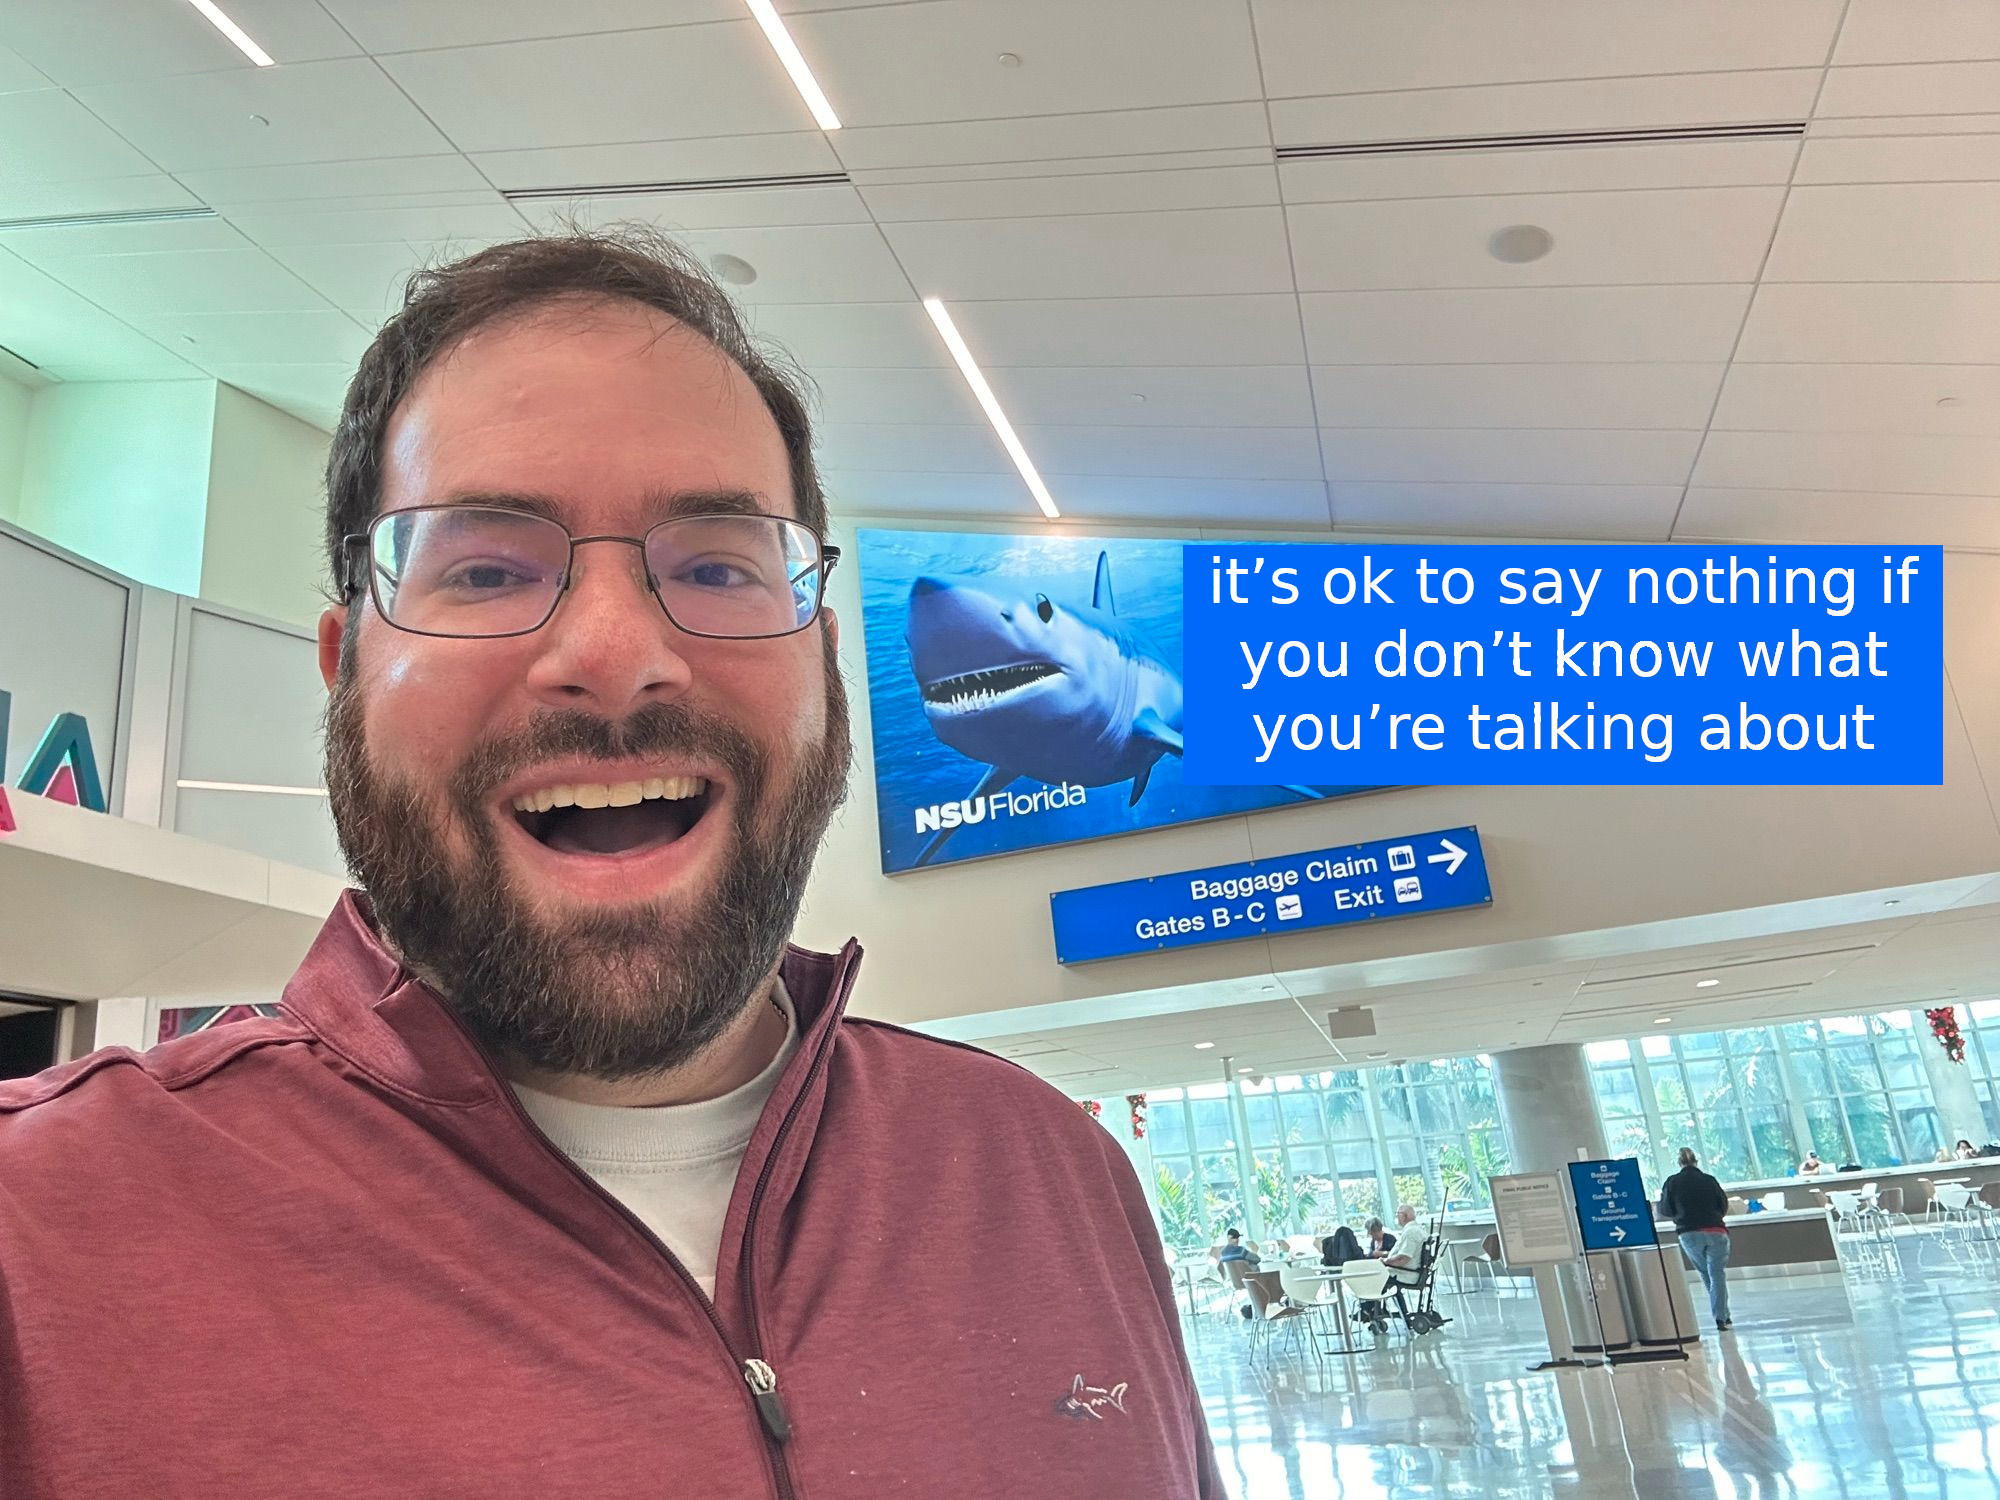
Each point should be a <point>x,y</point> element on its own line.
<point>1605,1328</point>
<point>1659,1318</point>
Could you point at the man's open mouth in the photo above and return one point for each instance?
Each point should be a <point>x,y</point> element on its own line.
<point>619,817</point>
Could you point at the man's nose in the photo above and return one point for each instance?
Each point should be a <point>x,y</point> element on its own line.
<point>610,646</point>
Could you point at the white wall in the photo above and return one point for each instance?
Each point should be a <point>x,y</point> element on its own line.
<point>15,401</point>
<point>1567,862</point>
<point>266,505</point>
<point>118,471</point>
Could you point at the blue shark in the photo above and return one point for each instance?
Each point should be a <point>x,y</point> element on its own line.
<point>1035,689</point>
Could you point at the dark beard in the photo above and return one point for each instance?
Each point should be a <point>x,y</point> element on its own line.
<point>616,994</point>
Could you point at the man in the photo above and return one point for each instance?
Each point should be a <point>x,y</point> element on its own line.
<point>559,1174</point>
<point>1234,1249</point>
<point>1405,1217</point>
<point>1698,1206</point>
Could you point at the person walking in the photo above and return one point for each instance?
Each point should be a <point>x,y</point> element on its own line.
<point>1698,1206</point>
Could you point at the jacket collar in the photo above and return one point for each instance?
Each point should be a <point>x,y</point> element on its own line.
<point>357,998</point>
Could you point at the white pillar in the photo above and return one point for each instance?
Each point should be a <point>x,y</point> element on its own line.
<point>1959,1114</point>
<point>1547,1106</point>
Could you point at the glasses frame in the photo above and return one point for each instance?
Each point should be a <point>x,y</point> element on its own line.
<point>362,543</point>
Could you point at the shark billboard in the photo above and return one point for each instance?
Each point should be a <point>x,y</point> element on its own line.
<point>1026,691</point>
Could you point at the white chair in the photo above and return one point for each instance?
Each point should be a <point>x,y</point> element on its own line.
<point>1485,1258</point>
<point>1774,1203</point>
<point>1365,1281</point>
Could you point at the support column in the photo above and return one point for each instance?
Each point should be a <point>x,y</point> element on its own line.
<point>1547,1106</point>
<point>1959,1114</point>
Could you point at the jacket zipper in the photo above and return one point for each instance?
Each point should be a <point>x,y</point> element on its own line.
<point>759,1379</point>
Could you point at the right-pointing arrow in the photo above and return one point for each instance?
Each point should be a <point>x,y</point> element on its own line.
<point>1618,1233</point>
<point>1452,857</point>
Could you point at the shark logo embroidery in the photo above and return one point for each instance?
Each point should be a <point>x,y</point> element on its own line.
<point>1089,1400</point>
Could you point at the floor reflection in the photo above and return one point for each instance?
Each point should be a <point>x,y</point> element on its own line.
<point>1886,1385</point>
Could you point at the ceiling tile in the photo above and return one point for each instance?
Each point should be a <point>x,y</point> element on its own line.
<point>1918,464</point>
<point>1917,89</point>
<point>1687,235</point>
<point>113,41</point>
<point>676,83</point>
<point>72,338</point>
<point>1516,456</point>
<point>1886,31</point>
<point>909,64</point>
<point>1070,166</point>
<point>1930,231</point>
<point>16,74</point>
<point>365,280</point>
<point>473,225</point>
<point>873,492</point>
<point>1460,174</point>
<point>186,281</point>
<point>1175,452</point>
<point>1861,398</point>
<point>1854,517</point>
<point>1873,323</point>
<point>738,208</point>
<point>893,334</point>
<point>1551,395</point>
<point>325,337</point>
<point>1098,255</point>
<point>1223,504</point>
<point>780,153</point>
<point>1358,46</point>
<point>399,26</point>
<point>1142,331</point>
<point>848,396</point>
<point>1029,197</point>
<point>1052,138</point>
<point>1623,513</point>
<point>848,447</point>
<point>52,244</point>
<point>1247,396</point>
<point>814,263</point>
<point>1669,323</point>
<point>46,136</point>
<point>317,112</point>
<point>1525,108</point>
<point>389,178</point>
<point>1900,158</point>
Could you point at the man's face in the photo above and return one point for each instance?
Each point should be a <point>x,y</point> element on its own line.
<point>613,941</point>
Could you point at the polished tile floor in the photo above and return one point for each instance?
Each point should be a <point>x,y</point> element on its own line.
<point>1886,1383</point>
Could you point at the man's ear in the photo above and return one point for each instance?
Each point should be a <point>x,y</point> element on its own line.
<point>332,631</point>
<point>832,626</point>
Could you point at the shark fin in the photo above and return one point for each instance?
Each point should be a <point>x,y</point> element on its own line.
<point>1150,726</point>
<point>1100,590</point>
<point>994,780</point>
<point>1311,794</point>
<point>1139,783</point>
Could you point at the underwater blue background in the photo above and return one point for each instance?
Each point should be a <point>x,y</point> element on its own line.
<point>914,769</point>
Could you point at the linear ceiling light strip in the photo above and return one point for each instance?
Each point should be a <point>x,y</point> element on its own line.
<point>795,64</point>
<point>251,786</point>
<point>989,403</point>
<point>238,37</point>
<point>1775,130</point>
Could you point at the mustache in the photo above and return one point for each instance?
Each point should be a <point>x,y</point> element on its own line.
<point>657,729</point>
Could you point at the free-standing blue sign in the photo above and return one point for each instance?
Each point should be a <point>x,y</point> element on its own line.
<point>1612,1208</point>
<point>1401,877</point>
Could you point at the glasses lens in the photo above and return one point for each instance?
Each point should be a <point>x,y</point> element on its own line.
<point>738,576</point>
<point>467,570</point>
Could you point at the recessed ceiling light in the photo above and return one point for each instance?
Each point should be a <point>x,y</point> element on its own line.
<point>1663,1020</point>
<point>988,403</point>
<point>795,64</point>
<point>1010,59</point>
<point>1893,901</point>
<point>1519,243</point>
<point>1373,1055</point>
<point>237,36</point>
<point>1706,984</point>
<point>1949,401</point>
<point>733,269</point>
<point>1203,1046</point>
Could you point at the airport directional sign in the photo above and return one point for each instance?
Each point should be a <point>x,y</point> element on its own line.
<point>1612,1208</point>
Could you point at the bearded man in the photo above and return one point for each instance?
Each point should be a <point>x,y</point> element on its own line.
<point>558,1172</point>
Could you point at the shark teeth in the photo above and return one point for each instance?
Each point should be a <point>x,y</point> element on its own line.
<point>971,692</point>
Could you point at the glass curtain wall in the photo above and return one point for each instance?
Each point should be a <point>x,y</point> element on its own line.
<point>1337,1147</point>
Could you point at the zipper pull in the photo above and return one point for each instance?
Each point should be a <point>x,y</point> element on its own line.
<point>763,1383</point>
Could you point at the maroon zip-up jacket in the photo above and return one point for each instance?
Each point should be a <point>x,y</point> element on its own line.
<point>326,1254</point>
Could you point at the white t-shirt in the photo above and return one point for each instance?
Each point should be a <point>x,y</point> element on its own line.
<point>673,1165</point>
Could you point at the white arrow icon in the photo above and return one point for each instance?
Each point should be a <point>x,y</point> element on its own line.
<point>1451,859</point>
<point>1618,1233</point>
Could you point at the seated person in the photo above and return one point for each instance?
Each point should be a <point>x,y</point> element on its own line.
<point>1340,1247</point>
<point>1403,1260</point>
<point>1235,1249</point>
<point>1380,1241</point>
<point>1965,1150</point>
<point>1812,1165</point>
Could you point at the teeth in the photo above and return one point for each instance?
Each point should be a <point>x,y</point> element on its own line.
<point>610,794</point>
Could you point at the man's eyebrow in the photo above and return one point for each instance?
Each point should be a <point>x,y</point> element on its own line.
<point>706,503</point>
<point>529,504</point>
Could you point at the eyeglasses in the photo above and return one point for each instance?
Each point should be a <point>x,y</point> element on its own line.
<point>481,570</point>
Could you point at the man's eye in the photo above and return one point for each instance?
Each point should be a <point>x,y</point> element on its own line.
<point>717,575</point>
<point>480,577</point>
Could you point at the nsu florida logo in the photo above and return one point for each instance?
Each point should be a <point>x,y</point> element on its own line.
<point>940,817</point>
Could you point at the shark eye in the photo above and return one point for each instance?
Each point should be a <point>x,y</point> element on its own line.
<point>1045,609</point>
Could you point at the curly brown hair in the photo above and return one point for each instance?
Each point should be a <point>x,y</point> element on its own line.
<point>444,305</point>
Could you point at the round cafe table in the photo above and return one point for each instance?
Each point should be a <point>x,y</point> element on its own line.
<point>1334,1276</point>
